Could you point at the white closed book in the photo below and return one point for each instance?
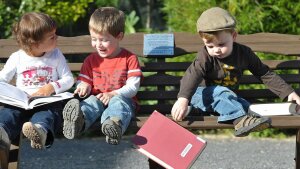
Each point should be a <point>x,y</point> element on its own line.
<point>274,109</point>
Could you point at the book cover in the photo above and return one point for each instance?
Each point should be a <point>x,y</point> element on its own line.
<point>273,109</point>
<point>168,143</point>
<point>14,96</point>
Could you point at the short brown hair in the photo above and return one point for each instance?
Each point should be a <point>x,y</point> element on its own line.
<point>107,19</point>
<point>31,28</point>
<point>210,36</point>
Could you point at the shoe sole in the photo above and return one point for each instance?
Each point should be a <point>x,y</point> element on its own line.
<point>30,131</point>
<point>264,124</point>
<point>112,132</point>
<point>71,116</point>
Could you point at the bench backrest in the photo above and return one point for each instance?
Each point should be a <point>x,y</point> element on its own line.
<point>160,86</point>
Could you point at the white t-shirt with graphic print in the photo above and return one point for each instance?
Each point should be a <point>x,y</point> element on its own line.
<point>34,72</point>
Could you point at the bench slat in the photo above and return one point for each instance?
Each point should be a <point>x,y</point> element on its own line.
<point>210,122</point>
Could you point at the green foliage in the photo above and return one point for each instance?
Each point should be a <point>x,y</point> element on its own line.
<point>274,133</point>
<point>131,20</point>
<point>280,16</point>
<point>65,12</point>
<point>100,3</point>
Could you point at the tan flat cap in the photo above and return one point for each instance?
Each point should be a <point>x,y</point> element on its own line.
<point>215,19</point>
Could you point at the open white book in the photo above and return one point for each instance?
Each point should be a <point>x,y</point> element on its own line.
<point>12,95</point>
<point>274,109</point>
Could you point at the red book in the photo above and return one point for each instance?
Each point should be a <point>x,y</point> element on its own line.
<point>167,143</point>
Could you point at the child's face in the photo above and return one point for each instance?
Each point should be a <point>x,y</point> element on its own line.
<point>48,43</point>
<point>221,46</point>
<point>105,44</point>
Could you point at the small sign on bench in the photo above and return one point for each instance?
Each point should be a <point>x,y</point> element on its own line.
<point>158,44</point>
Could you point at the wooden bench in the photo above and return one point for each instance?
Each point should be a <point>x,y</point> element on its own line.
<point>161,83</point>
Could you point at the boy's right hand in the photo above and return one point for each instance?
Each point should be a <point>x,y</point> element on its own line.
<point>83,89</point>
<point>179,109</point>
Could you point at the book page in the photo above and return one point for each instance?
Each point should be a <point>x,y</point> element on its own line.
<point>10,92</point>
<point>13,102</point>
<point>49,99</point>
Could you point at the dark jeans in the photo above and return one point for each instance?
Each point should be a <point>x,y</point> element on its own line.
<point>48,116</point>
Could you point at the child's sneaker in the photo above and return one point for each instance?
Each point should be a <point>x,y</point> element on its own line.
<point>73,119</point>
<point>36,134</point>
<point>4,148</point>
<point>113,131</point>
<point>250,123</point>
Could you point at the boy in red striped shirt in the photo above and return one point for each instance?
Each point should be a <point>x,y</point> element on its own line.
<point>109,80</point>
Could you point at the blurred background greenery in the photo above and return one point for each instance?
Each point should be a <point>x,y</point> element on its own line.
<point>152,16</point>
<point>280,16</point>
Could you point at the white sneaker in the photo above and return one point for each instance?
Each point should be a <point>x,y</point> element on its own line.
<point>4,148</point>
<point>36,134</point>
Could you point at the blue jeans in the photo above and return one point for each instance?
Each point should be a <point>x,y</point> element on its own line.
<point>120,107</point>
<point>48,116</point>
<point>221,100</point>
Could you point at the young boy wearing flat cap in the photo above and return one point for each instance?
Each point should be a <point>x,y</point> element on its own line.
<point>209,82</point>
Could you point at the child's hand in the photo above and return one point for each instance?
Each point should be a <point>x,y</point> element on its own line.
<point>294,96</point>
<point>105,97</point>
<point>46,90</point>
<point>83,89</point>
<point>179,109</point>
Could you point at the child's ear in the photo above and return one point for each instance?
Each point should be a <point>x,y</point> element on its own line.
<point>120,36</point>
<point>234,35</point>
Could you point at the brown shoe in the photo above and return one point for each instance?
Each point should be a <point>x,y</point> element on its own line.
<point>35,134</point>
<point>251,124</point>
<point>113,131</point>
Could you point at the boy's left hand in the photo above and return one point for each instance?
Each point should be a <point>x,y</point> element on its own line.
<point>46,90</point>
<point>105,97</point>
<point>294,96</point>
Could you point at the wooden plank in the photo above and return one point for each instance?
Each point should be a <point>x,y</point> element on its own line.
<point>169,80</point>
<point>182,66</point>
<point>210,122</point>
<point>172,95</point>
<point>184,43</point>
<point>272,43</point>
<point>289,78</point>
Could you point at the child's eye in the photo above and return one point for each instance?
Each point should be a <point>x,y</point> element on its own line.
<point>210,47</point>
<point>221,44</point>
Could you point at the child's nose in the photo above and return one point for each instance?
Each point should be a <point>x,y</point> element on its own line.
<point>218,50</point>
<point>99,44</point>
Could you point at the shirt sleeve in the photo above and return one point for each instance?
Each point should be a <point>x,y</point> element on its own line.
<point>192,77</point>
<point>65,77</point>
<point>273,81</point>
<point>133,81</point>
<point>86,74</point>
<point>9,69</point>
<point>131,87</point>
